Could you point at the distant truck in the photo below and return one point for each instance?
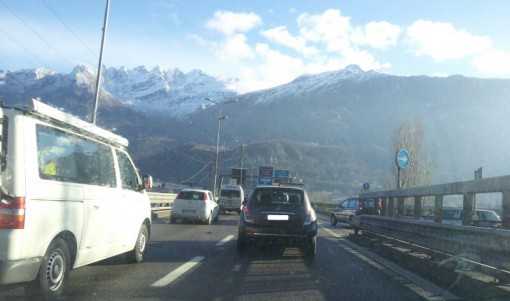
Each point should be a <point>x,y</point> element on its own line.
<point>231,198</point>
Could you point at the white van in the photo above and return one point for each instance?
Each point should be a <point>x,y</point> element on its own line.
<point>231,198</point>
<point>69,196</point>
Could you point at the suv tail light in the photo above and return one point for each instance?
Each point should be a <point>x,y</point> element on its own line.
<point>12,212</point>
<point>246,215</point>
<point>379,204</point>
<point>360,204</point>
<point>205,196</point>
<point>310,218</point>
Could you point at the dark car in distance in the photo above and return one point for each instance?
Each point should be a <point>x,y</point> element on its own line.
<point>279,215</point>
<point>351,207</point>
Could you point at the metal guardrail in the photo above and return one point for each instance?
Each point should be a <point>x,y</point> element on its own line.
<point>486,248</point>
<point>161,201</point>
<point>468,189</point>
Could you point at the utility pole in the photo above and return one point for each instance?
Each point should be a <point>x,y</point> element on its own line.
<point>98,80</point>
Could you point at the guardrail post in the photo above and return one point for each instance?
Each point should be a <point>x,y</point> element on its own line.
<point>417,207</point>
<point>400,206</point>
<point>505,214</point>
<point>384,206</point>
<point>438,208</point>
<point>468,203</point>
<point>391,207</point>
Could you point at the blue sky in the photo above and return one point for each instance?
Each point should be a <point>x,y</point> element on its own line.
<point>261,43</point>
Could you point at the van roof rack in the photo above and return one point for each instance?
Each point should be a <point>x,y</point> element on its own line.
<point>54,115</point>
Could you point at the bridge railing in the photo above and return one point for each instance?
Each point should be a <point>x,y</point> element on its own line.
<point>486,246</point>
<point>468,189</point>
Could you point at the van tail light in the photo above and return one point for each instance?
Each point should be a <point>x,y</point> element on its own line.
<point>205,196</point>
<point>12,212</point>
<point>379,204</point>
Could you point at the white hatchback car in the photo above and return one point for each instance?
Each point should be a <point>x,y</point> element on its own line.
<point>195,204</point>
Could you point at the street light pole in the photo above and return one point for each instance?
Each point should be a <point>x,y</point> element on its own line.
<point>220,106</point>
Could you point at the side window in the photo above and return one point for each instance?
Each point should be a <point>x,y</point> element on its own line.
<point>70,158</point>
<point>353,204</point>
<point>210,196</point>
<point>344,204</point>
<point>128,174</point>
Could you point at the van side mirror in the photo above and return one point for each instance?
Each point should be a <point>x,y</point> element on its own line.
<point>147,181</point>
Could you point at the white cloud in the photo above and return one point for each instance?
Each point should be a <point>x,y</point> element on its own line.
<point>278,67</point>
<point>282,36</point>
<point>442,41</point>
<point>234,48</point>
<point>379,35</point>
<point>329,28</point>
<point>494,62</point>
<point>228,22</point>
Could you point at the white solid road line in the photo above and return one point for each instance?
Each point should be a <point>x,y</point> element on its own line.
<point>177,272</point>
<point>224,241</point>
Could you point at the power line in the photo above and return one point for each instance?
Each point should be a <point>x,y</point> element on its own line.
<point>69,28</point>
<point>26,49</point>
<point>37,34</point>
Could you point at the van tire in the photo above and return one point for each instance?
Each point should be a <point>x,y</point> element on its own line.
<point>136,255</point>
<point>54,270</point>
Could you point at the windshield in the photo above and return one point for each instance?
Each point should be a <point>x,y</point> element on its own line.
<point>254,150</point>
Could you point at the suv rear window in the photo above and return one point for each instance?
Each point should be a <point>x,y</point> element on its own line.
<point>369,203</point>
<point>278,196</point>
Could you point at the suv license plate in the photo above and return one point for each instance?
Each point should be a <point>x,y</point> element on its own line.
<point>279,217</point>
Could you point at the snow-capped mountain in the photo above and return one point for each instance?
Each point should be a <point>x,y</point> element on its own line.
<point>171,92</point>
<point>312,82</point>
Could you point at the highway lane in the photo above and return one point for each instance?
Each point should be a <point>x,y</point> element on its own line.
<point>199,262</point>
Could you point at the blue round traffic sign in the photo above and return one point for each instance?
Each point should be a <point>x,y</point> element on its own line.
<point>402,158</point>
<point>366,186</point>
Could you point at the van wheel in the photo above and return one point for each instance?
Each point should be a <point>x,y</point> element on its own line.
<point>54,270</point>
<point>136,255</point>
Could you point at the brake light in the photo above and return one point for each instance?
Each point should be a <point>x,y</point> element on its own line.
<point>310,218</point>
<point>178,196</point>
<point>246,215</point>
<point>12,212</point>
<point>379,204</point>
<point>360,204</point>
<point>205,196</point>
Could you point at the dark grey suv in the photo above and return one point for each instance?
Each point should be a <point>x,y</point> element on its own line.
<point>354,206</point>
<point>278,215</point>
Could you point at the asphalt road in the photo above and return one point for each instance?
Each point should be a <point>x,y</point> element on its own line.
<point>199,262</point>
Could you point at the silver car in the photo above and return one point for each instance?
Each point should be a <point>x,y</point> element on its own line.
<point>196,205</point>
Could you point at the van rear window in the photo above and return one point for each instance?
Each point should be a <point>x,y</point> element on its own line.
<point>230,193</point>
<point>69,158</point>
